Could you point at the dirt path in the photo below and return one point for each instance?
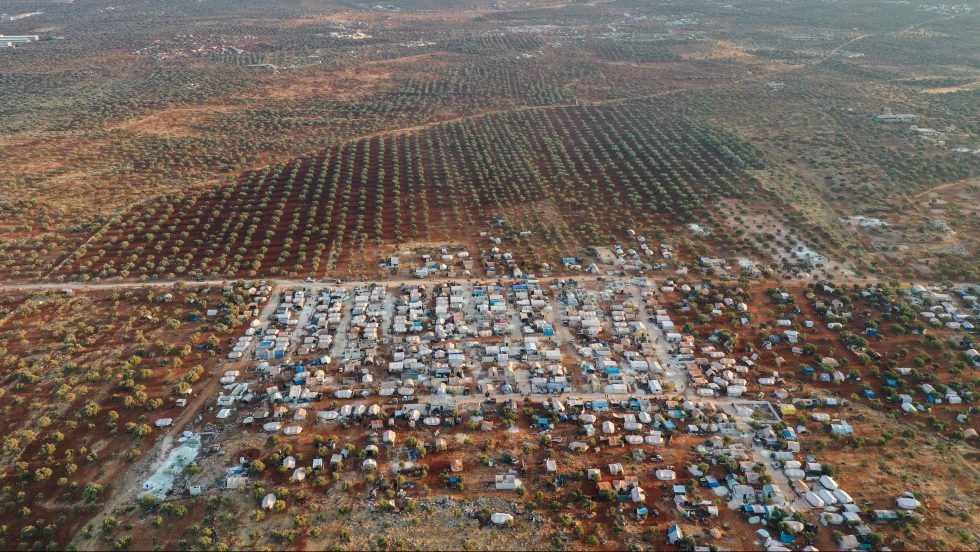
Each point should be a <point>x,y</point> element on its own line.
<point>840,47</point>
<point>85,286</point>
<point>672,369</point>
<point>939,188</point>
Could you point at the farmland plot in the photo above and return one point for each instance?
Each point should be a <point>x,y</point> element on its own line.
<point>602,167</point>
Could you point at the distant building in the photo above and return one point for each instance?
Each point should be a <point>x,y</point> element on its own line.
<point>712,262</point>
<point>923,131</point>
<point>809,258</point>
<point>12,41</point>
<point>887,116</point>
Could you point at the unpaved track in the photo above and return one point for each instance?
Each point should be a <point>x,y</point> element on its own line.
<point>84,286</point>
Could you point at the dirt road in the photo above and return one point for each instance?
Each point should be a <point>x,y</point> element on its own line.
<point>32,286</point>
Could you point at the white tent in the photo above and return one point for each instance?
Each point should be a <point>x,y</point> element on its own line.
<point>268,501</point>
<point>907,503</point>
<point>501,518</point>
